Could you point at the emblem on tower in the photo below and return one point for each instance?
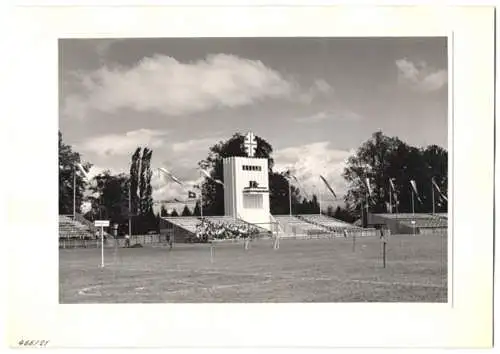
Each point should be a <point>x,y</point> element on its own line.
<point>250,144</point>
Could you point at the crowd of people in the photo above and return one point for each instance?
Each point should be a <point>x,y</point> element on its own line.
<point>210,230</point>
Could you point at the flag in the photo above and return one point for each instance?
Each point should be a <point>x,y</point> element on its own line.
<point>82,170</point>
<point>289,177</point>
<point>289,173</point>
<point>414,188</point>
<point>191,195</point>
<point>205,172</point>
<point>393,190</point>
<point>438,189</point>
<point>328,186</point>
<point>169,174</point>
<point>391,182</point>
<point>368,186</point>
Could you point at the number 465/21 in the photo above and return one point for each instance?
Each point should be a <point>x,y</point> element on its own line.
<point>32,343</point>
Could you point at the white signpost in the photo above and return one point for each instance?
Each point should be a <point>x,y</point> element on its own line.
<point>102,224</point>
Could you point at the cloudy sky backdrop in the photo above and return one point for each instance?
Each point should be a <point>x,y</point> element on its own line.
<point>314,100</point>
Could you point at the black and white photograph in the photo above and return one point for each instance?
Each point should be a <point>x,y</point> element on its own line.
<point>253,170</point>
<point>269,177</point>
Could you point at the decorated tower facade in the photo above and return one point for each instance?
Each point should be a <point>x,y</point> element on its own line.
<point>246,186</point>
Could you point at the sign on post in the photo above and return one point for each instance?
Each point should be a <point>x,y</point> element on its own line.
<point>101,223</point>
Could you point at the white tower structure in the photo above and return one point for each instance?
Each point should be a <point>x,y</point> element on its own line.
<point>246,186</point>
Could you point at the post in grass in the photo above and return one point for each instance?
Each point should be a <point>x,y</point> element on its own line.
<point>102,246</point>
<point>276,240</point>
<point>102,224</point>
<point>383,238</point>
<point>211,251</point>
<point>354,241</point>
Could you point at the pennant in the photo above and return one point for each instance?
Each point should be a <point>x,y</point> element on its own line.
<point>289,177</point>
<point>391,182</point>
<point>205,172</point>
<point>292,176</point>
<point>393,190</point>
<point>368,186</point>
<point>438,189</point>
<point>169,174</point>
<point>328,186</point>
<point>414,188</point>
<point>83,170</point>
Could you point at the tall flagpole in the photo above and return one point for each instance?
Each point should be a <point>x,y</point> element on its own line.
<point>390,197</point>
<point>412,202</point>
<point>433,204</point>
<point>319,198</point>
<point>130,209</point>
<point>74,192</point>
<point>201,201</point>
<point>290,197</point>
<point>413,209</point>
<point>367,209</point>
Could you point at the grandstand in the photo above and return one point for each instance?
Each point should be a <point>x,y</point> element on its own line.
<point>75,231</point>
<point>327,222</point>
<point>183,229</point>
<point>293,226</point>
<point>408,223</point>
<point>72,229</point>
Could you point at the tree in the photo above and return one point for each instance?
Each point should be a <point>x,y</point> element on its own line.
<point>436,159</point>
<point>186,211</point>
<point>163,211</point>
<point>174,213</point>
<point>67,167</point>
<point>140,181</point>
<point>134,180</point>
<point>146,202</point>
<point>278,197</point>
<point>197,209</point>
<point>381,158</point>
<point>110,198</point>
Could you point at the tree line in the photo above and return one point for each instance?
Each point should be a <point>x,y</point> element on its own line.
<point>119,196</point>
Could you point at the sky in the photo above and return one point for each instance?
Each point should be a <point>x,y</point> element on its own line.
<point>315,100</point>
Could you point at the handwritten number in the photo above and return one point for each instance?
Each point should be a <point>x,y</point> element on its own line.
<point>29,343</point>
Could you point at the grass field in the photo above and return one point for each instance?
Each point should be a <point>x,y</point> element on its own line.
<point>320,270</point>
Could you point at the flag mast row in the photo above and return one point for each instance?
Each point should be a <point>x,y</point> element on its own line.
<point>392,189</point>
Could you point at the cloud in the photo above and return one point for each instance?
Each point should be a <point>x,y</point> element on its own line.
<point>123,144</point>
<point>319,88</point>
<point>195,144</point>
<point>163,84</point>
<point>420,76</point>
<point>309,161</point>
<point>103,46</point>
<point>330,115</point>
